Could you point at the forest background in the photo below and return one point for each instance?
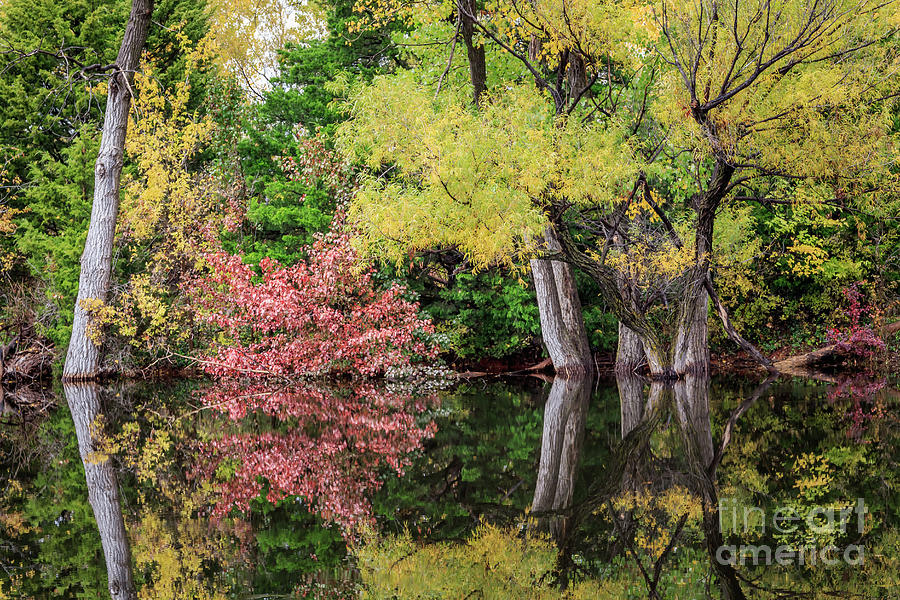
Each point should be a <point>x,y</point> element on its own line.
<point>234,145</point>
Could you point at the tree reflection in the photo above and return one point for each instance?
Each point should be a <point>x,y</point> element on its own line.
<point>103,489</point>
<point>328,447</point>
<point>563,434</point>
<point>658,491</point>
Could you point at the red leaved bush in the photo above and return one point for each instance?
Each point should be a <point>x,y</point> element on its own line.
<point>856,340</point>
<point>324,316</point>
<point>329,448</point>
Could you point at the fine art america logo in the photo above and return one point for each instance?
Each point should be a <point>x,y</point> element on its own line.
<point>808,535</point>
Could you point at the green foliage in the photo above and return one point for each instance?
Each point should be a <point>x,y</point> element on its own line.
<point>284,213</point>
<point>291,544</point>
<point>51,118</point>
<point>480,463</point>
<point>51,234</point>
<point>486,314</point>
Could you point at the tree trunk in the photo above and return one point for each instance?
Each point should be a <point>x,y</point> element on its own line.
<point>103,491</point>
<point>629,352</point>
<point>83,357</point>
<point>690,354</point>
<point>563,434</point>
<point>474,52</point>
<point>562,323</point>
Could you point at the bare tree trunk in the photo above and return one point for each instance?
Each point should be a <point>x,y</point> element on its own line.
<point>83,357</point>
<point>103,491</point>
<point>474,52</point>
<point>629,352</point>
<point>562,322</point>
<point>690,354</point>
<point>564,417</point>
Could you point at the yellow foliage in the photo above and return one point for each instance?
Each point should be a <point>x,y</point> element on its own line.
<point>475,181</point>
<point>812,118</point>
<point>495,564</point>
<point>163,136</point>
<point>171,211</point>
<point>247,34</point>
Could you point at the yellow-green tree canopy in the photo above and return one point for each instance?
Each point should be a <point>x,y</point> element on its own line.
<point>795,97</point>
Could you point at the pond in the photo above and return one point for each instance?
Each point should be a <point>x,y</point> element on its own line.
<point>727,488</point>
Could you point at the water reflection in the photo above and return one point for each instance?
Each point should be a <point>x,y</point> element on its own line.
<point>103,489</point>
<point>565,414</point>
<point>628,480</point>
<point>328,447</point>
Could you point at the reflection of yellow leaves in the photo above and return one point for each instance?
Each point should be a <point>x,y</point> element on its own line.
<point>814,475</point>
<point>657,515</point>
<point>176,557</point>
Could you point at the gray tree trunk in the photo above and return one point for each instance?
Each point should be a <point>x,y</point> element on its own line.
<point>690,354</point>
<point>83,357</point>
<point>562,322</point>
<point>103,491</point>
<point>629,352</point>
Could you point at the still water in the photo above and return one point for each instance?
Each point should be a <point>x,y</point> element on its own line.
<point>728,488</point>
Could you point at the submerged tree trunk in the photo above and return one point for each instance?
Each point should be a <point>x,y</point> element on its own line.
<point>83,357</point>
<point>103,490</point>
<point>562,322</point>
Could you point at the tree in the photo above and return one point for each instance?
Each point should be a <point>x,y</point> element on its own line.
<point>741,103</point>
<point>83,356</point>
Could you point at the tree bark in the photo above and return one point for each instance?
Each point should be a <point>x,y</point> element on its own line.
<point>474,51</point>
<point>629,352</point>
<point>562,322</point>
<point>83,357</point>
<point>690,354</point>
<point>103,491</point>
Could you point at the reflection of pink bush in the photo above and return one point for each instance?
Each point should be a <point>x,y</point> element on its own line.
<point>864,406</point>
<point>857,340</point>
<point>330,449</point>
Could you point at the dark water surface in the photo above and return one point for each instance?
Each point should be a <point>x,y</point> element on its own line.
<point>731,488</point>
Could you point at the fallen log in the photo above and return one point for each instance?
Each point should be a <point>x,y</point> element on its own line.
<point>806,365</point>
<point>27,364</point>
